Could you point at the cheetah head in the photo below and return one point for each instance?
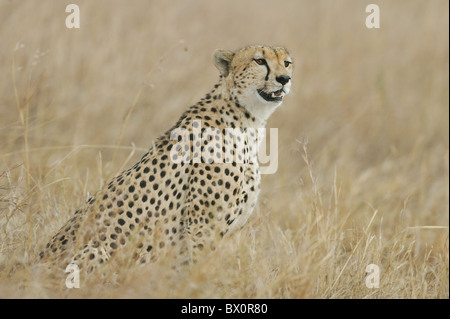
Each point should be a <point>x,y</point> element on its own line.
<point>258,76</point>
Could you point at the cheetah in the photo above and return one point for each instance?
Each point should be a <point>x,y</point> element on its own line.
<point>174,197</point>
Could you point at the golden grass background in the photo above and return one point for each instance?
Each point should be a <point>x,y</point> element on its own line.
<point>363,174</point>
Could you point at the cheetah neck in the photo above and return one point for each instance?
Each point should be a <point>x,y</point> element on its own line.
<point>251,112</point>
<point>252,103</point>
<point>261,113</point>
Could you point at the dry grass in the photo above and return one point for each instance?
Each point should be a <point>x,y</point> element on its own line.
<point>371,185</point>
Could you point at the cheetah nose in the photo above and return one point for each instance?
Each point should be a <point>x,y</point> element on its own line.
<point>283,79</point>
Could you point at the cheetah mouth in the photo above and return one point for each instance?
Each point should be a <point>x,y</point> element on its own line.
<point>275,96</point>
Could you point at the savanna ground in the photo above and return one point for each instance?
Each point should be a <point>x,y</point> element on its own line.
<point>363,175</point>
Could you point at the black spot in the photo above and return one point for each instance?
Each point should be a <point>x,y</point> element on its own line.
<point>142,184</point>
<point>121,222</point>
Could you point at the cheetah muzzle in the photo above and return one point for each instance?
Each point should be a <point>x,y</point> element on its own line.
<point>174,201</point>
<point>275,96</point>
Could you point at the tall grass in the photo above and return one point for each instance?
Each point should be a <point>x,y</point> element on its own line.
<point>363,174</point>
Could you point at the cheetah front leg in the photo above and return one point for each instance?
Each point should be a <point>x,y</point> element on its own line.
<point>201,238</point>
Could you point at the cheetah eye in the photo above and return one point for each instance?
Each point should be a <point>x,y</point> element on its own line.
<point>287,64</point>
<point>260,61</point>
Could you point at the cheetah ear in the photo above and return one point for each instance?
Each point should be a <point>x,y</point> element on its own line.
<point>222,61</point>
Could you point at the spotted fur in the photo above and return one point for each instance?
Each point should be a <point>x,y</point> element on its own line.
<point>174,199</point>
